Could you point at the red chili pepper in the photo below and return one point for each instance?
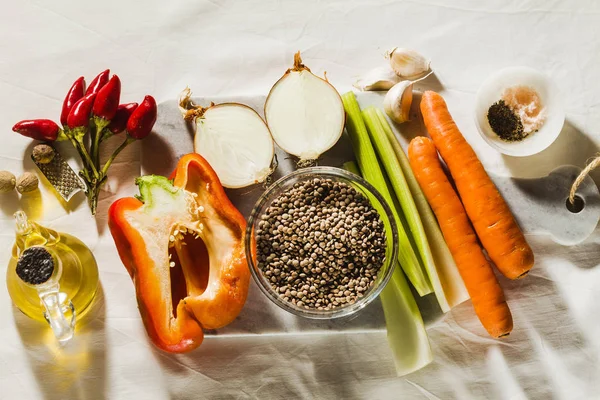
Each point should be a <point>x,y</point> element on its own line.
<point>98,82</point>
<point>107,99</point>
<point>119,122</point>
<point>39,129</point>
<point>74,94</point>
<point>142,119</point>
<point>80,113</point>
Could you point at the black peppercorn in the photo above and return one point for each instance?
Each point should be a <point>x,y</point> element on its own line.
<point>35,266</point>
<point>505,123</point>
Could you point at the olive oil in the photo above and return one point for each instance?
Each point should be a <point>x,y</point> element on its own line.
<point>78,281</point>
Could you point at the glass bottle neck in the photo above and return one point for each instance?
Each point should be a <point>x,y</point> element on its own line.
<point>29,234</point>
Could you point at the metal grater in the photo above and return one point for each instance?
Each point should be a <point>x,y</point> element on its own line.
<point>61,176</point>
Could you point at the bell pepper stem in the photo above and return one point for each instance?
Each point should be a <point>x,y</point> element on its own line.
<point>114,155</point>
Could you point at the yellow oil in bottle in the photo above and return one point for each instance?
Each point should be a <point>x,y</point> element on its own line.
<point>78,281</point>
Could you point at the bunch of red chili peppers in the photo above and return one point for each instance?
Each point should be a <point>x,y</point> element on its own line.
<point>95,111</point>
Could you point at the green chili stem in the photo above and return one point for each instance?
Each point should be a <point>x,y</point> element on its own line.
<point>96,135</point>
<point>114,155</point>
<point>99,124</point>
<point>93,143</point>
<point>86,156</point>
<point>83,154</point>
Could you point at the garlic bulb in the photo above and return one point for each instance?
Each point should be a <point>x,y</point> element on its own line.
<point>408,64</point>
<point>305,113</point>
<point>380,78</point>
<point>234,140</point>
<point>398,100</point>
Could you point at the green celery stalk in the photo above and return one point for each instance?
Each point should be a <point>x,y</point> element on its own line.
<point>371,170</point>
<point>409,209</point>
<point>406,332</point>
<point>454,289</point>
<point>351,166</point>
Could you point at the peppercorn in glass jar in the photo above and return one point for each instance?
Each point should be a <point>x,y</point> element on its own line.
<point>320,243</point>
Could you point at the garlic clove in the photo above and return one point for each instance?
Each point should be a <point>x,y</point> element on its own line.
<point>398,100</point>
<point>406,102</point>
<point>408,64</point>
<point>380,78</point>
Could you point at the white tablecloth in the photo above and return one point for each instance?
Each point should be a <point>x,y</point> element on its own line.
<point>230,48</point>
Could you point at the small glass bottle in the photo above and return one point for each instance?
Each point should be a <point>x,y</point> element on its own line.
<point>51,276</point>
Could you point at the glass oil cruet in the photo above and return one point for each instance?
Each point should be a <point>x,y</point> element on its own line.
<point>51,276</point>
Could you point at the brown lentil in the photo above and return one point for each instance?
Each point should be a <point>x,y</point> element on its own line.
<point>320,244</point>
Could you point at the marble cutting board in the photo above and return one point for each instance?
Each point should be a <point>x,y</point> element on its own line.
<point>538,204</point>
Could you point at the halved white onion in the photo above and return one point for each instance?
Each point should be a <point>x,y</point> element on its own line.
<point>304,113</point>
<point>234,140</point>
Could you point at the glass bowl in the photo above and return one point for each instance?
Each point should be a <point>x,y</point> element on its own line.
<point>376,200</point>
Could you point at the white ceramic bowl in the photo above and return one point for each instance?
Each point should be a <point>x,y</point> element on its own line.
<point>491,91</point>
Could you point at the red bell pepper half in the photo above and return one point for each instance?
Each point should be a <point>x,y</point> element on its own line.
<point>182,244</point>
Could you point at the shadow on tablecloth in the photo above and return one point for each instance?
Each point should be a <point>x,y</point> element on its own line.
<point>76,370</point>
<point>572,147</point>
<point>551,353</point>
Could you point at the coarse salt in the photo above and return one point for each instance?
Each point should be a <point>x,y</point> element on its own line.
<point>525,102</point>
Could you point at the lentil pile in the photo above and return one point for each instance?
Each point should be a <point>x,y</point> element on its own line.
<point>321,244</point>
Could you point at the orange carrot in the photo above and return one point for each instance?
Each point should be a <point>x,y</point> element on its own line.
<point>481,283</point>
<point>495,225</point>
